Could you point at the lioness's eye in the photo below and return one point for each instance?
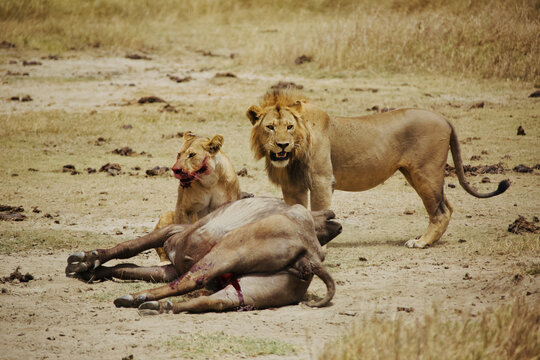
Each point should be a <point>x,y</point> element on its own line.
<point>191,155</point>
<point>289,127</point>
<point>270,127</point>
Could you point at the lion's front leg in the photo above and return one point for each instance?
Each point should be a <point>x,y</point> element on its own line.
<point>321,192</point>
<point>293,195</point>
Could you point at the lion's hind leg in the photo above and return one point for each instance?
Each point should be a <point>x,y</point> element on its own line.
<point>164,220</point>
<point>430,190</point>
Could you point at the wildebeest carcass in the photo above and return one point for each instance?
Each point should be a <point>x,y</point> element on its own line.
<point>257,253</point>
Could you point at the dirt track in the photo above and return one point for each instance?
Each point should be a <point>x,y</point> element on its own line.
<point>467,272</point>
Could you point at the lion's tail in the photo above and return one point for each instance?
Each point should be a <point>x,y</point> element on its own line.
<point>319,270</point>
<point>458,163</point>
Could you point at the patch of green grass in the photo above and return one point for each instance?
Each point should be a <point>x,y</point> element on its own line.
<point>219,345</point>
<point>17,240</point>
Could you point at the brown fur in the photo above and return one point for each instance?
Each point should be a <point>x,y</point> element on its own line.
<point>356,154</point>
<point>256,252</point>
<point>209,191</point>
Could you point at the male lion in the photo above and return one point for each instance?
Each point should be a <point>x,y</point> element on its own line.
<point>256,252</point>
<point>207,181</point>
<point>305,150</point>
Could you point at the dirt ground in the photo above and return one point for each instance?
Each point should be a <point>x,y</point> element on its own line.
<point>476,267</point>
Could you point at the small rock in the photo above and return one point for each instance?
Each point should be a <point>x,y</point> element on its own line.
<point>242,172</point>
<point>535,94</point>
<point>486,180</point>
<point>179,79</point>
<point>406,309</point>
<point>303,59</point>
<point>225,74</point>
<point>135,56</point>
<point>467,276</point>
<point>163,170</point>
<point>522,169</point>
<point>521,131</point>
<point>408,212</point>
<point>150,100</point>
<point>285,85</point>
<point>479,105</point>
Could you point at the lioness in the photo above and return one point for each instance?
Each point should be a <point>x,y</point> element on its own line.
<point>257,252</point>
<point>305,150</point>
<point>207,181</point>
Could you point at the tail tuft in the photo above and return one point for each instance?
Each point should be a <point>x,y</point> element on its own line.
<point>503,185</point>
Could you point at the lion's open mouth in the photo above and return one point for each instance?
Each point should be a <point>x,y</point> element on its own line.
<point>280,156</point>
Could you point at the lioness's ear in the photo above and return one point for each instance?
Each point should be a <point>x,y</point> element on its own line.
<point>253,114</point>
<point>188,135</point>
<point>215,144</point>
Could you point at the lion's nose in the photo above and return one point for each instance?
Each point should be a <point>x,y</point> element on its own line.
<point>282,145</point>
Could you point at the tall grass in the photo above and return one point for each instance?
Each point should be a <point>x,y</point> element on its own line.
<point>511,332</point>
<point>487,38</point>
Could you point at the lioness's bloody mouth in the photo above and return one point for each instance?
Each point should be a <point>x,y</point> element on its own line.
<point>280,156</point>
<point>186,178</point>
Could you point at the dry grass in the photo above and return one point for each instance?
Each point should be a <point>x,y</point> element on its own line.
<point>511,332</point>
<point>488,38</point>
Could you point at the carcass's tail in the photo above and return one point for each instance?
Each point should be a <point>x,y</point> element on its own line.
<point>319,270</point>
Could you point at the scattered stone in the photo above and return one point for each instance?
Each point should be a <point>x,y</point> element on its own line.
<point>522,169</point>
<point>100,141</point>
<point>361,258</point>
<point>31,63</point>
<point>225,74</point>
<point>408,212</point>
<point>11,213</point>
<point>476,158</point>
<point>467,276</point>
<point>179,79</point>
<point>461,241</point>
<point>24,98</point>
<point>387,109</point>
<point>10,73</point>
<point>179,134</point>
<point>245,195</point>
<point>169,108</point>
<point>486,180</point>
<point>158,170</point>
<point>535,94</point>
<point>303,59</point>
<point>68,168</point>
<point>521,131</point>
<point>479,105</point>
<point>207,53</point>
<point>111,169</point>
<point>16,275</point>
<point>135,56</point>
<point>476,170</point>
<point>348,313</point>
<point>36,210</point>
<point>150,100</point>
<point>52,57</point>
<point>520,226</point>
<point>6,45</point>
<point>452,186</point>
<point>406,309</point>
<point>373,90</point>
<point>32,169</point>
<point>127,127</point>
<point>125,151</point>
<point>286,85</point>
<point>242,172</point>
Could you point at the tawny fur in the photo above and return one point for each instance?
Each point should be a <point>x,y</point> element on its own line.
<point>356,154</point>
<point>209,190</point>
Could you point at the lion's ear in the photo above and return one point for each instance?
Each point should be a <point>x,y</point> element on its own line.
<point>214,145</point>
<point>254,114</point>
<point>189,135</point>
<point>297,106</point>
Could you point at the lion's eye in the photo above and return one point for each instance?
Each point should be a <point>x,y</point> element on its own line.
<point>270,127</point>
<point>191,155</point>
<point>289,127</point>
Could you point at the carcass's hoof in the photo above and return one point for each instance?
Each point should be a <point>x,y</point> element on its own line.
<point>76,257</point>
<point>124,301</point>
<point>74,268</point>
<point>147,312</point>
<point>149,305</point>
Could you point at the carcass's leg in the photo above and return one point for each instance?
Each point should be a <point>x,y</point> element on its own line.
<point>81,262</point>
<point>163,273</point>
<point>251,292</point>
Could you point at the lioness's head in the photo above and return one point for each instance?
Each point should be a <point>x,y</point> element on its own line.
<point>279,133</point>
<point>196,158</point>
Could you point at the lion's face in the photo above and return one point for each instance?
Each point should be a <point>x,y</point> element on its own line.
<point>196,158</point>
<point>277,134</point>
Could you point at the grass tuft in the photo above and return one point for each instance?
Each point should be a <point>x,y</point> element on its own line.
<point>510,332</point>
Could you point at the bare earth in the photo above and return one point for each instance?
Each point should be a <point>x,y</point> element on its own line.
<point>476,267</point>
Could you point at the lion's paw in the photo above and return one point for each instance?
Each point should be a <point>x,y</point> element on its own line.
<point>416,243</point>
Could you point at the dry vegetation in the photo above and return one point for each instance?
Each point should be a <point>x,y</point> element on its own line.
<point>488,38</point>
<point>472,296</point>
